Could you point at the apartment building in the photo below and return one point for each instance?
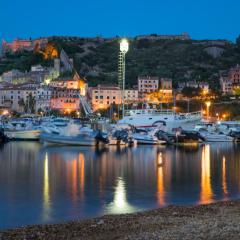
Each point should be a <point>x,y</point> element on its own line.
<point>103,96</point>
<point>65,100</point>
<point>43,98</point>
<point>15,97</point>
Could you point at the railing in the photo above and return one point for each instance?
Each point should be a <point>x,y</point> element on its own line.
<point>159,112</point>
<point>86,107</point>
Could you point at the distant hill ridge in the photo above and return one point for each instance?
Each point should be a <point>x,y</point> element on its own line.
<point>177,57</point>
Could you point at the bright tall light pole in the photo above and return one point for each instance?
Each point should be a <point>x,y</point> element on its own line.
<point>124,46</point>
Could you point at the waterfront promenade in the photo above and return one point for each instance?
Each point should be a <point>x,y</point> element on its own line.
<point>214,221</point>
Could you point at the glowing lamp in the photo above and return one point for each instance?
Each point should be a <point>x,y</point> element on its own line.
<point>5,112</point>
<point>124,46</point>
<point>208,104</point>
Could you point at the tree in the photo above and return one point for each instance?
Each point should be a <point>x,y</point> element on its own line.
<point>191,91</point>
<point>30,104</point>
<point>21,104</point>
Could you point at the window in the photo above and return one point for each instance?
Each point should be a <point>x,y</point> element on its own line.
<point>107,97</point>
<point>96,97</point>
<point>101,97</point>
<point>114,97</point>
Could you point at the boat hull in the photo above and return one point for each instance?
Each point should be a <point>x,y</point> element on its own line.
<point>23,134</point>
<point>67,140</point>
<point>214,138</point>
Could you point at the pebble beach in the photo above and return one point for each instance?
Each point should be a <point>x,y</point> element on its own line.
<point>212,221</point>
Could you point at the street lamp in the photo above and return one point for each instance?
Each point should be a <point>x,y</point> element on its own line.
<point>124,46</point>
<point>208,104</point>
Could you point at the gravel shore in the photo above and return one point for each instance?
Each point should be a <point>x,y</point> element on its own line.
<point>213,221</point>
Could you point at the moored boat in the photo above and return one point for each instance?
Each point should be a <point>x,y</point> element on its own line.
<point>147,137</point>
<point>19,130</point>
<point>86,137</point>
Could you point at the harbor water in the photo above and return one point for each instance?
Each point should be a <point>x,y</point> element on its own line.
<point>53,184</point>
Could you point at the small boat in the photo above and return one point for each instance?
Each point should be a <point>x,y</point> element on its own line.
<point>147,137</point>
<point>19,130</point>
<point>121,135</point>
<point>235,134</point>
<point>186,137</point>
<point>86,137</point>
<point>215,136</point>
<point>60,122</point>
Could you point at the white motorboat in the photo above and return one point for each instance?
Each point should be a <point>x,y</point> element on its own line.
<point>147,137</point>
<point>86,137</point>
<point>146,118</point>
<point>215,136</point>
<point>20,130</point>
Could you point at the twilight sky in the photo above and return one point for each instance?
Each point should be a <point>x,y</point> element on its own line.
<point>202,19</point>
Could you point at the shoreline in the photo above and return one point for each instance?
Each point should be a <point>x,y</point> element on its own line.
<point>220,220</point>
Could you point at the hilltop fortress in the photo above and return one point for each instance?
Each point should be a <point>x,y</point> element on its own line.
<point>24,44</point>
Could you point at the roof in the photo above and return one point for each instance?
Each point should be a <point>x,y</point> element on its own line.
<point>63,79</point>
<point>105,87</point>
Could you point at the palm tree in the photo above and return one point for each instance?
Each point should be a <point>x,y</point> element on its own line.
<point>21,104</point>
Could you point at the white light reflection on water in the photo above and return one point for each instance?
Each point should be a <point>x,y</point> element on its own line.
<point>120,204</point>
<point>46,195</point>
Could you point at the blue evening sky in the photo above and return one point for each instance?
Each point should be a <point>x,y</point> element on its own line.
<point>202,19</point>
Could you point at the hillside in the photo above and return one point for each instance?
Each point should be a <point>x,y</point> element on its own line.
<point>97,58</point>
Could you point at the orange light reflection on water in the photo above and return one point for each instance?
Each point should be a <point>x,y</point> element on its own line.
<point>206,193</point>
<point>81,173</point>
<point>160,180</point>
<point>224,177</point>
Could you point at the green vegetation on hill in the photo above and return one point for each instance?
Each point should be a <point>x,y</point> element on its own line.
<point>97,59</point>
<point>21,61</point>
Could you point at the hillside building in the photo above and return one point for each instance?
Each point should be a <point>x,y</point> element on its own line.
<point>102,96</point>
<point>15,96</point>
<point>230,80</point>
<point>65,100</point>
<point>43,98</point>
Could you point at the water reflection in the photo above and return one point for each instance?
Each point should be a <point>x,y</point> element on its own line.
<point>206,193</point>
<point>120,204</point>
<point>224,177</point>
<point>160,180</point>
<point>81,174</point>
<point>46,195</point>
<point>45,185</point>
